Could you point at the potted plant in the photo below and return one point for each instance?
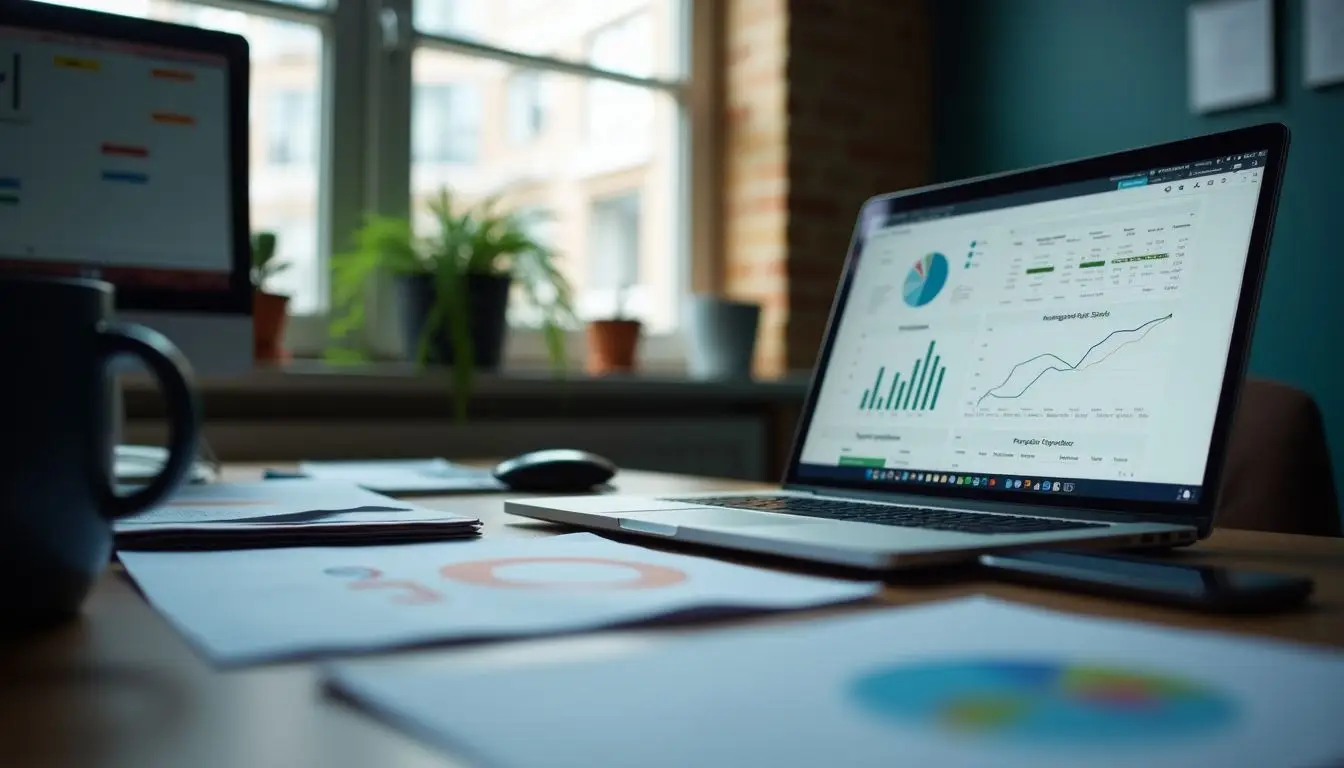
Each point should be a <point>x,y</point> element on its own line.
<point>614,342</point>
<point>269,310</point>
<point>453,286</point>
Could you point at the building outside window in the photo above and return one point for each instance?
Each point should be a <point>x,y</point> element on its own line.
<point>527,106</point>
<point>291,134</point>
<point>447,123</point>
<point>613,285</point>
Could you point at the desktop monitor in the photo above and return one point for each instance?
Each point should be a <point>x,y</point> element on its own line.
<point>123,156</point>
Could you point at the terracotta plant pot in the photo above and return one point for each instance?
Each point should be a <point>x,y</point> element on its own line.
<point>269,312</point>
<point>612,345</point>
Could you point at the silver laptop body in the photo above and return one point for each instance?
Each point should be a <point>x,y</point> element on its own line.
<point>1046,358</point>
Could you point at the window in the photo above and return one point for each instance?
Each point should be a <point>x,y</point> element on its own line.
<point>540,223</point>
<point>595,140</point>
<point>291,133</point>
<point>461,18</point>
<point>613,284</point>
<point>447,123</point>
<point>574,108</point>
<point>527,109</point>
<point>620,113</point>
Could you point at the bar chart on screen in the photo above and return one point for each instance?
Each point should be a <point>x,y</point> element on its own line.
<point>915,389</point>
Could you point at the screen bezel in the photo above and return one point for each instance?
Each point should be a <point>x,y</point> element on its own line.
<point>1272,137</point>
<point>237,299</point>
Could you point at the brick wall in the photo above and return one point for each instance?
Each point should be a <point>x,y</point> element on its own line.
<point>827,102</point>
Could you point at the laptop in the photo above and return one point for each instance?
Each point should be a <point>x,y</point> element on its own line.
<point>1044,358</point>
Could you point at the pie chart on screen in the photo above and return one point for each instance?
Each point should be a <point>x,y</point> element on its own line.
<point>925,279</point>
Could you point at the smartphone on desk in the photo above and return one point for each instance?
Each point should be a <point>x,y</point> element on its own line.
<point>1200,587</point>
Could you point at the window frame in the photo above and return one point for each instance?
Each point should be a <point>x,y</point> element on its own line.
<point>366,89</point>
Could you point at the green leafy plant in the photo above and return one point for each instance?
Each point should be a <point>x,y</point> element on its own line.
<point>264,264</point>
<point>468,240</point>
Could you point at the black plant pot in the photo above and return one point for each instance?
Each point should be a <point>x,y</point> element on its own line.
<point>487,303</point>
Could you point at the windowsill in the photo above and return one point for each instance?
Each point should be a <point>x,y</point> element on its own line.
<point>317,394</point>
<point>399,378</point>
<point>661,354</point>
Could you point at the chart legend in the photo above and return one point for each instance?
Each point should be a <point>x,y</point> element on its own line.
<point>124,150</point>
<point>172,118</point>
<point>917,392</point>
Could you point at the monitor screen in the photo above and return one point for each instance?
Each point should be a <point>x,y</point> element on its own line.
<point>1062,340</point>
<point>114,161</point>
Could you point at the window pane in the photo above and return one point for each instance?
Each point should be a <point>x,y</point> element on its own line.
<point>446,127</point>
<point>565,29</point>
<point>286,110</point>
<point>608,208</point>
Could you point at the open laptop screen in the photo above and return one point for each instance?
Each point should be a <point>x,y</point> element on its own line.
<point>1069,340</point>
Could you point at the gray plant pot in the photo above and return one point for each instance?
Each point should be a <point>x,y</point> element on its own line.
<point>720,337</point>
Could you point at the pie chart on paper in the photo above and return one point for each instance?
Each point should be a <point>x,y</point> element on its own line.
<point>1042,702</point>
<point>925,279</point>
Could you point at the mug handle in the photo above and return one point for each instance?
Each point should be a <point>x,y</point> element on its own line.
<point>171,369</point>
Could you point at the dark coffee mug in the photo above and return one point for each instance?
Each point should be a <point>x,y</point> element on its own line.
<point>57,497</point>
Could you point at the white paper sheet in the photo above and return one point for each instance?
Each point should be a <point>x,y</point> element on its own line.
<point>284,513</point>
<point>254,605</point>
<point>398,476</point>
<point>279,502</point>
<point>971,682</point>
<point>1231,53</point>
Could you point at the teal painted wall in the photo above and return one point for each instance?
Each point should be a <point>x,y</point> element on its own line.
<point>1024,82</point>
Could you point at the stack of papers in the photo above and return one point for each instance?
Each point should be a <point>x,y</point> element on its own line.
<point>970,682</point>
<point>284,513</point>
<point>259,605</point>
<point>405,476</point>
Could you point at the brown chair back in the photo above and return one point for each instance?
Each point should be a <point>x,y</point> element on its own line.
<point>1278,475</point>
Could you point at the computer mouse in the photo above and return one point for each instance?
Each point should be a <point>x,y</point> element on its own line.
<point>559,470</point>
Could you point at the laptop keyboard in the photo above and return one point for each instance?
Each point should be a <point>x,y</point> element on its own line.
<point>907,517</point>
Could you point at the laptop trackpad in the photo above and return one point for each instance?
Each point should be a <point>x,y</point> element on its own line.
<point>667,522</point>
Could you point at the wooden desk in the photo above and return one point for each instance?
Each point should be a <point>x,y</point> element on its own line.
<point>119,687</point>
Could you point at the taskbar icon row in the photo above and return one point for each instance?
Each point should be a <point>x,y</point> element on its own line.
<point>996,482</point>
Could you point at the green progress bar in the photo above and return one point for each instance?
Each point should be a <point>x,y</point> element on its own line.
<point>1040,270</point>
<point>860,461</point>
<point>1145,257</point>
<point>1091,264</point>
